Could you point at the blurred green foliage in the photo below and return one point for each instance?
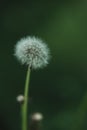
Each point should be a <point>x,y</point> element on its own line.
<point>58,91</point>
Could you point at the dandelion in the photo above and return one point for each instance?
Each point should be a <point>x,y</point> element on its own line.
<point>35,54</point>
<point>20,98</point>
<point>37,116</point>
<point>36,121</point>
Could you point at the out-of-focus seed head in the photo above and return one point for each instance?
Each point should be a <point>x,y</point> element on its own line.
<point>37,117</point>
<point>20,98</point>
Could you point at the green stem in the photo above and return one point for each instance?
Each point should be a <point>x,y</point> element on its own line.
<point>25,103</point>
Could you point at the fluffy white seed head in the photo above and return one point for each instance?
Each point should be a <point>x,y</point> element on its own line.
<point>37,116</point>
<point>20,98</point>
<point>33,52</point>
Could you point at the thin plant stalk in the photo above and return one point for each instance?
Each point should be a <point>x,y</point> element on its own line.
<point>25,103</point>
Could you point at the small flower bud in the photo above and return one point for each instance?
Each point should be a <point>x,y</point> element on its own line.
<point>20,98</point>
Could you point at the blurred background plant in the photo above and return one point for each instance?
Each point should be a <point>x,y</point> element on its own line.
<point>60,90</point>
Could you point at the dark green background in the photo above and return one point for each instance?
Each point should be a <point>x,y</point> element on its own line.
<point>59,91</point>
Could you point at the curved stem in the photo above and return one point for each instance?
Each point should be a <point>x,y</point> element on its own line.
<point>25,103</point>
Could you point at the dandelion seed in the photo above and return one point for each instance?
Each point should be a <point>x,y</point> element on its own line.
<point>37,116</point>
<point>20,98</point>
<point>33,52</point>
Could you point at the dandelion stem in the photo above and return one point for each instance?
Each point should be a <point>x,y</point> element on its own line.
<point>25,103</point>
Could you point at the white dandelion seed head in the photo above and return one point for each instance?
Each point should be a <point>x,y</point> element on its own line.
<point>37,116</point>
<point>33,52</point>
<point>20,98</point>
